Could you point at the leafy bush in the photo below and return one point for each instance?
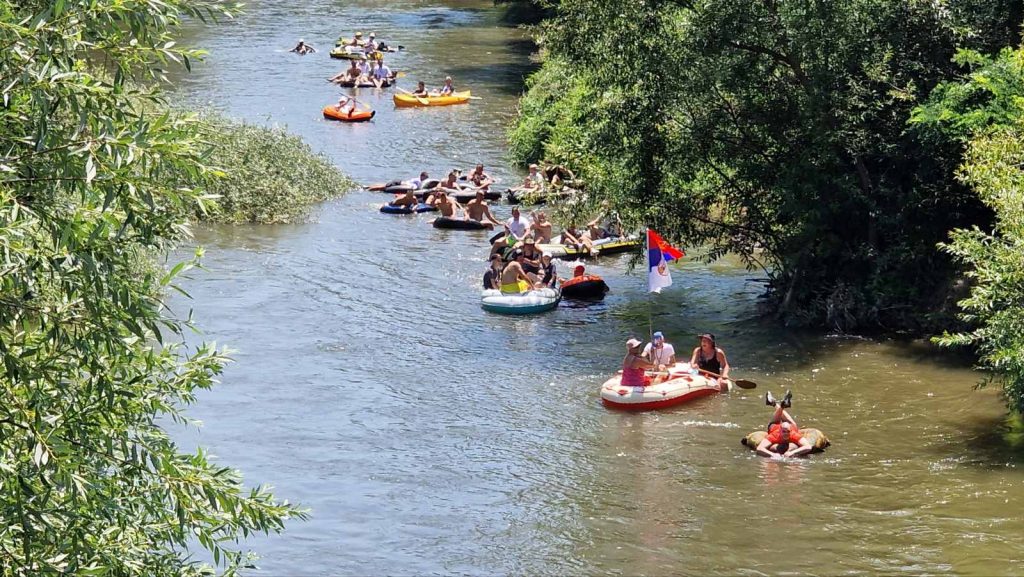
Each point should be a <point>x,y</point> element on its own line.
<point>266,175</point>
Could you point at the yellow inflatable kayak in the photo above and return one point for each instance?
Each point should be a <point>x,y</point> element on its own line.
<point>406,100</point>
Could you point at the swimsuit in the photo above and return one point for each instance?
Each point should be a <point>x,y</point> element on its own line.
<point>517,287</point>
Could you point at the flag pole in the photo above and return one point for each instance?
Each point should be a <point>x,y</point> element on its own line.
<point>650,318</point>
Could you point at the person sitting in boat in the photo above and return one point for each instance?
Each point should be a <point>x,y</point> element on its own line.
<point>549,274</point>
<point>365,71</point>
<point>421,90</point>
<point>572,237</point>
<point>516,225</point>
<point>371,42</point>
<point>634,365</point>
<point>557,175</point>
<point>381,75</point>
<point>711,360</point>
<point>659,352</point>
<point>478,210</point>
<point>513,279</point>
<point>535,178</point>
<point>492,278</point>
<point>407,198</point>
<point>346,105</point>
<point>445,205</point>
<point>447,90</point>
<point>784,438</point>
<point>302,48</point>
<point>541,228</point>
<point>350,74</point>
<point>479,178</point>
<point>605,225</point>
<point>531,258</point>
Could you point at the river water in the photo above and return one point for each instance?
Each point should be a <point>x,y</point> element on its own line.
<point>430,437</point>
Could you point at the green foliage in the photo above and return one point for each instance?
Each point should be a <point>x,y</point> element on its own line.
<point>269,176</point>
<point>987,107</point>
<point>774,130</point>
<point>90,484</point>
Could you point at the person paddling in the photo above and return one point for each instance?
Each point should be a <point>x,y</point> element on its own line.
<point>709,358</point>
<point>448,89</point>
<point>421,90</point>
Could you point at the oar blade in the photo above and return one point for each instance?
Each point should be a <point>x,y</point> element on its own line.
<point>745,384</point>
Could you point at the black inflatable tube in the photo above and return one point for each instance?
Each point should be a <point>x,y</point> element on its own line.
<point>458,224</point>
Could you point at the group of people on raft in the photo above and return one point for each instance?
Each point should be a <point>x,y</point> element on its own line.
<point>783,438</point>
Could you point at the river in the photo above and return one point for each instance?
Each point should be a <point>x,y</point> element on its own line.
<point>430,437</point>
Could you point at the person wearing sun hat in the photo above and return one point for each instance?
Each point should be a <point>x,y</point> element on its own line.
<point>634,365</point>
<point>709,358</point>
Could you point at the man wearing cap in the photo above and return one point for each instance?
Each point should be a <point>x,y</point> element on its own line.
<point>659,352</point>
<point>302,48</point>
<point>710,359</point>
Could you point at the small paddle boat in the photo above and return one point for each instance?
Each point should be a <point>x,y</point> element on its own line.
<point>680,387</point>
<point>461,224</point>
<point>588,286</point>
<point>528,303</point>
<point>406,209</point>
<point>331,112</point>
<point>364,84</point>
<point>408,100</point>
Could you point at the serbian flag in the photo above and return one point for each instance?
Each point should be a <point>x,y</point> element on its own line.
<point>659,253</point>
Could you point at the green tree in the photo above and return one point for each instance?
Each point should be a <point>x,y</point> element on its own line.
<point>986,109</point>
<point>776,130</point>
<point>90,483</point>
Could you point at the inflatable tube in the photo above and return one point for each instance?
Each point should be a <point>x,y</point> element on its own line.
<point>332,113</point>
<point>815,436</point>
<point>464,196</point>
<point>528,303</point>
<point>398,188</point>
<point>429,183</point>
<point>588,286</point>
<point>681,387</point>
<point>460,224</point>
<point>406,209</point>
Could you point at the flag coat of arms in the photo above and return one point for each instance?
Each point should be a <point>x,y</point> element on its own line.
<point>659,254</point>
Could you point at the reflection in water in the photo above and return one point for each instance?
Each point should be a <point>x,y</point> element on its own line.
<point>430,437</point>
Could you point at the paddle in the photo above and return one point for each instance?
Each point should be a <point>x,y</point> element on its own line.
<point>422,100</point>
<point>741,383</point>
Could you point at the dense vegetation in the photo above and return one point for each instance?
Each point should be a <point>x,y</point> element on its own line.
<point>272,176</point>
<point>90,190</point>
<point>801,135</point>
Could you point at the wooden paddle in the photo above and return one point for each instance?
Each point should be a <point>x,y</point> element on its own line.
<point>741,383</point>
<point>422,100</point>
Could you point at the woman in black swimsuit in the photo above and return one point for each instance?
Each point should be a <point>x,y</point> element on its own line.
<point>709,358</point>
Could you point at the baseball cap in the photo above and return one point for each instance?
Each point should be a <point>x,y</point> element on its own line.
<point>633,343</point>
<point>658,335</point>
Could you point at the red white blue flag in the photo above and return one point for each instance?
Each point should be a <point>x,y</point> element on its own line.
<point>659,254</point>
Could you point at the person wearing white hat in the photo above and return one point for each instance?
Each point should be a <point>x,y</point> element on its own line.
<point>634,365</point>
<point>302,48</point>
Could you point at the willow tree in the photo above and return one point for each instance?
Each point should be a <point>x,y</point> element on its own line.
<point>776,130</point>
<point>90,483</point>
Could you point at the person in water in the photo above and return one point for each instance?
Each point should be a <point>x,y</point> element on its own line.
<point>513,279</point>
<point>421,90</point>
<point>784,438</point>
<point>302,48</point>
<point>634,365</point>
<point>478,210</point>
<point>445,205</point>
<point>660,352</point>
<point>492,278</point>
<point>479,178</point>
<point>709,358</point>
